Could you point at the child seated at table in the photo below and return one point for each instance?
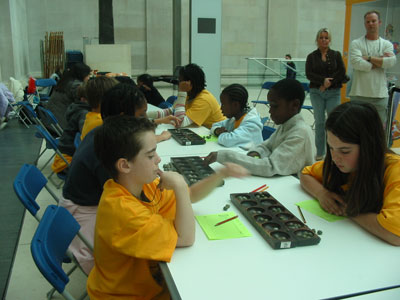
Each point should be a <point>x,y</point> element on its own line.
<point>145,83</point>
<point>290,148</point>
<point>149,211</point>
<point>195,104</point>
<point>76,116</point>
<point>244,126</point>
<point>360,177</point>
<point>95,90</point>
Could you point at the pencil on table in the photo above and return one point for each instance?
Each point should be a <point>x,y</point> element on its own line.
<point>259,188</point>
<point>301,214</point>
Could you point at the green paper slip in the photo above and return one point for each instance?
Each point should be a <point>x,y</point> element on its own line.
<point>313,207</point>
<point>211,138</point>
<point>229,230</point>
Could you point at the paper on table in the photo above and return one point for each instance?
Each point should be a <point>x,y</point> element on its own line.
<point>313,207</point>
<point>210,138</point>
<point>229,230</point>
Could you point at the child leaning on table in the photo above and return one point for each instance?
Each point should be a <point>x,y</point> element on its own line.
<point>290,148</point>
<point>360,177</point>
<point>143,213</point>
<point>243,126</point>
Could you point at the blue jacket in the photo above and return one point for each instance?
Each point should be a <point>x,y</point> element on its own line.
<point>249,132</point>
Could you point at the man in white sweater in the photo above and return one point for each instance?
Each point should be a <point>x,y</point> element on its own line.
<point>290,148</point>
<point>370,56</point>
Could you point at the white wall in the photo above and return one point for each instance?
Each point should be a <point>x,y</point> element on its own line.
<point>289,25</point>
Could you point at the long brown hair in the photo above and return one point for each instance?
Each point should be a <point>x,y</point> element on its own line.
<point>358,123</point>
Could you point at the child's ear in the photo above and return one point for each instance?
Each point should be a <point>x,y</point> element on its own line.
<point>122,166</point>
<point>296,106</point>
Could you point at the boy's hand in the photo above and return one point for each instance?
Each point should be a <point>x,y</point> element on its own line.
<point>233,170</point>
<point>171,180</point>
<point>253,154</point>
<point>211,158</point>
<point>185,86</point>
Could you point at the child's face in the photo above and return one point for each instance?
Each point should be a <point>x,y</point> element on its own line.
<point>344,155</point>
<point>144,167</point>
<point>141,112</point>
<point>228,107</point>
<point>281,110</point>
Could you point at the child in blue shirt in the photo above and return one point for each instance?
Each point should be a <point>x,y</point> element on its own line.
<point>243,126</point>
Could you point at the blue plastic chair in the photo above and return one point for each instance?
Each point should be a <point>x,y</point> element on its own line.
<point>28,183</point>
<point>52,143</point>
<point>266,86</point>
<point>51,120</point>
<point>49,247</point>
<point>46,84</point>
<point>267,131</point>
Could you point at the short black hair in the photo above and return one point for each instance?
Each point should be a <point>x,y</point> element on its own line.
<point>146,79</point>
<point>238,93</point>
<point>289,56</point>
<point>196,76</point>
<point>125,79</point>
<point>120,137</point>
<point>290,90</point>
<point>122,99</point>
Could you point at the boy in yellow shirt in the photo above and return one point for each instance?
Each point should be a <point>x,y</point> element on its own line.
<point>143,213</point>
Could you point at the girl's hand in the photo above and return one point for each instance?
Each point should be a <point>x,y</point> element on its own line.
<point>332,203</point>
<point>220,130</point>
<point>185,86</point>
<point>165,135</point>
<point>171,180</point>
<point>176,122</point>
<point>327,82</point>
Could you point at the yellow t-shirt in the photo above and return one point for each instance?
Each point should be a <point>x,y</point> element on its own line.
<point>389,216</point>
<point>92,120</point>
<point>130,237</point>
<point>204,109</point>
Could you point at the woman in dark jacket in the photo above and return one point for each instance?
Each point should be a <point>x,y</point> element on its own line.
<point>326,71</point>
<point>65,92</point>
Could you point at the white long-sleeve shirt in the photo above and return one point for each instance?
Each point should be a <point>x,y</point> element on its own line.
<point>287,151</point>
<point>368,82</point>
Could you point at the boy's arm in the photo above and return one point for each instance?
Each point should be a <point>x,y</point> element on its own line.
<point>184,218</point>
<point>202,188</point>
<point>288,158</point>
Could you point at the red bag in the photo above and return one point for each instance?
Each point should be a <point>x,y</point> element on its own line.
<point>31,85</point>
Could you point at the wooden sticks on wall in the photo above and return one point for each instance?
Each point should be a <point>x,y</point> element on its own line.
<point>53,53</point>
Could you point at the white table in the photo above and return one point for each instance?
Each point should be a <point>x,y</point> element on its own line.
<point>347,260</point>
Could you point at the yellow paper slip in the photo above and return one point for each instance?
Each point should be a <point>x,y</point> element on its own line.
<point>313,207</point>
<point>229,230</point>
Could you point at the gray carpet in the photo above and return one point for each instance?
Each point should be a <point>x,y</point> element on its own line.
<point>18,145</point>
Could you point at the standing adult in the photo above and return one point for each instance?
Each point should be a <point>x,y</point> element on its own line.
<point>370,55</point>
<point>326,71</point>
<point>290,68</point>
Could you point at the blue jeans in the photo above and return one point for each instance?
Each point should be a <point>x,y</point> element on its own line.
<point>321,102</point>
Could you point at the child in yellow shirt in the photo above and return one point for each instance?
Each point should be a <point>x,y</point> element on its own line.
<point>360,177</point>
<point>143,213</point>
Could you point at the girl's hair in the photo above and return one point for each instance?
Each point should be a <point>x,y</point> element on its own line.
<point>290,90</point>
<point>238,93</point>
<point>122,99</point>
<point>146,79</point>
<point>358,123</point>
<point>120,137</point>
<point>77,71</point>
<point>96,88</point>
<point>196,76</point>
<point>321,31</point>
